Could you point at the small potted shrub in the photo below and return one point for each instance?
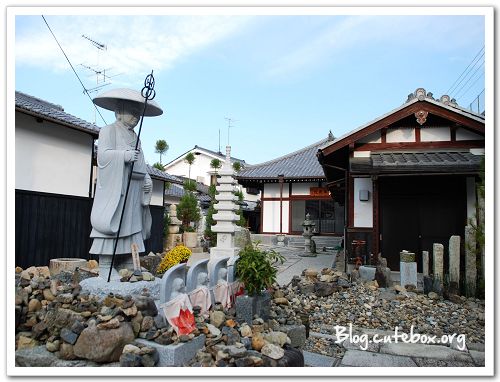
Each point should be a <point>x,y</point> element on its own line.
<point>189,212</point>
<point>256,269</point>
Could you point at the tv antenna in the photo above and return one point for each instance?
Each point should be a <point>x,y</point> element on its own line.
<point>102,79</point>
<point>229,120</point>
<point>98,45</point>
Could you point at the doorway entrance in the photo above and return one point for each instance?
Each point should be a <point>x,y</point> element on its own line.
<point>418,211</point>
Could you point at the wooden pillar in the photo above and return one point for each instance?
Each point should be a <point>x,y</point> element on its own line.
<point>376,229</point>
<point>281,181</point>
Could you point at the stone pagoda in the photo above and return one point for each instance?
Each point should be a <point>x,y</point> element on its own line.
<point>226,208</point>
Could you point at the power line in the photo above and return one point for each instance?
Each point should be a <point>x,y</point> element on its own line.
<point>474,59</point>
<point>74,71</point>
<point>471,85</point>
<point>469,75</point>
<point>472,75</point>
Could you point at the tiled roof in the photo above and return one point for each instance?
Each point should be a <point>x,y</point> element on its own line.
<point>299,164</point>
<point>162,175</point>
<point>38,107</point>
<point>417,161</point>
<point>178,192</point>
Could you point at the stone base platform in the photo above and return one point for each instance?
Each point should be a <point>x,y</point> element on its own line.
<point>176,355</point>
<point>102,288</point>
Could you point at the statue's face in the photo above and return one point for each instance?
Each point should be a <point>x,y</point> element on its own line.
<point>128,113</point>
<point>202,278</point>
<point>223,274</point>
<point>178,285</point>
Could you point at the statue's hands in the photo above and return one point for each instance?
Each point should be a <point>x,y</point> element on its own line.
<point>131,156</point>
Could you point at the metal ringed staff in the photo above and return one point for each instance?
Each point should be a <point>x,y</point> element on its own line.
<point>148,93</point>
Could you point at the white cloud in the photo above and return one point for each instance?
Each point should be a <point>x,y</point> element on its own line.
<point>354,32</point>
<point>133,42</point>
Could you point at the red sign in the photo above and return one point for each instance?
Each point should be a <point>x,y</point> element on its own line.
<point>318,191</point>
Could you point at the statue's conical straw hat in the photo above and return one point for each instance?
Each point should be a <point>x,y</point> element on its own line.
<point>109,100</point>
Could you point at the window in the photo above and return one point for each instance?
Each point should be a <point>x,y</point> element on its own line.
<point>327,214</point>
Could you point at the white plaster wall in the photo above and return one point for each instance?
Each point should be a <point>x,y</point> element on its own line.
<point>157,196</point>
<point>363,211</point>
<point>302,188</point>
<point>471,197</point>
<point>51,158</point>
<point>401,134</point>
<point>199,169</point>
<point>435,134</point>
<point>272,190</point>
<point>466,135</point>
<point>362,154</point>
<point>286,213</point>
<point>372,138</point>
<point>271,217</point>
<point>201,172</point>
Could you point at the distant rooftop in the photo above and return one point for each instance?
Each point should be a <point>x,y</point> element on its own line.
<point>214,153</point>
<point>301,164</point>
<point>162,175</point>
<point>52,112</point>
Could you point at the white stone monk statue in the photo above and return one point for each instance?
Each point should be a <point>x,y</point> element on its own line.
<point>200,296</point>
<point>115,155</point>
<point>174,301</point>
<point>222,290</point>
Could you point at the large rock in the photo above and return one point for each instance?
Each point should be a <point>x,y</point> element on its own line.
<point>103,345</point>
<point>146,305</point>
<point>59,318</point>
<point>242,237</point>
<point>323,289</point>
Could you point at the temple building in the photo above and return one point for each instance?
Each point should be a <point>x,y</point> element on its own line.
<point>290,187</point>
<point>408,178</point>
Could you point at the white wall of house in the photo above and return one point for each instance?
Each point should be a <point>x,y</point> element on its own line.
<point>467,135</point>
<point>271,216</point>
<point>157,196</point>
<point>435,134</point>
<point>201,171</point>
<point>52,158</point>
<point>400,134</point>
<point>363,211</point>
<point>302,188</point>
<point>272,190</point>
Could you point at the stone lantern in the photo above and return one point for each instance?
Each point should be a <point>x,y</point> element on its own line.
<point>308,225</point>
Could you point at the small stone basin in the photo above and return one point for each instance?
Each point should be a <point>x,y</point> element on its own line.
<point>367,272</point>
<point>65,264</point>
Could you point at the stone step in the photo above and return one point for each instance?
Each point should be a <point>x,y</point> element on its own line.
<point>318,360</point>
<point>359,358</point>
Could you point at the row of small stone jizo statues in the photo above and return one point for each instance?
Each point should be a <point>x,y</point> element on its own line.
<point>204,284</point>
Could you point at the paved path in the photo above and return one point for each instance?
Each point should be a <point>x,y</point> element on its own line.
<point>396,354</point>
<point>293,265</point>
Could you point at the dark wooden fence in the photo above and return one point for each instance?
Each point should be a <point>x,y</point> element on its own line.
<point>50,226</point>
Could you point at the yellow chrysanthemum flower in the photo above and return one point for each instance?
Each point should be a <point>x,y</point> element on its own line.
<point>173,257</point>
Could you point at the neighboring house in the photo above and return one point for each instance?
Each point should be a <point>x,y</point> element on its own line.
<point>292,186</point>
<point>408,178</point>
<point>55,172</point>
<point>201,170</point>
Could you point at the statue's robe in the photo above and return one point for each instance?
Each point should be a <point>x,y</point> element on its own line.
<point>112,178</point>
<point>201,297</point>
<point>222,293</point>
<point>179,314</point>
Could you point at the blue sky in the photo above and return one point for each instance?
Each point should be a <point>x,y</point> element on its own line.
<point>286,80</point>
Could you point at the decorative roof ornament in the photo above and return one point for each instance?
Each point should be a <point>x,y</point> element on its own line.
<point>330,136</point>
<point>421,95</point>
<point>421,116</point>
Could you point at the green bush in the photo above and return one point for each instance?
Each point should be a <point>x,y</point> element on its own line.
<point>256,268</point>
<point>188,210</point>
